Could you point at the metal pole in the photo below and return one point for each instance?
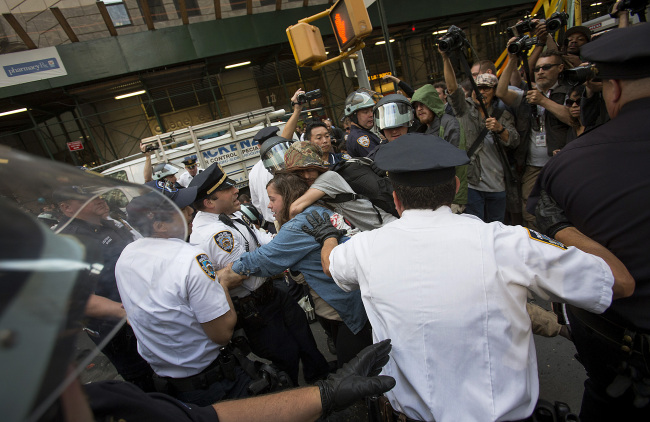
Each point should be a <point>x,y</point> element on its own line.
<point>384,31</point>
<point>362,73</point>
<point>90,132</point>
<point>329,93</point>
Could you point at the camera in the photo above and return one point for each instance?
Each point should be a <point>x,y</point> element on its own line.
<point>522,44</point>
<point>556,21</point>
<point>579,75</point>
<point>634,6</point>
<point>309,96</point>
<point>151,147</point>
<point>526,25</point>
<point>452,40</point>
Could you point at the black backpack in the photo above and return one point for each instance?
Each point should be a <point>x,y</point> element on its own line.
<point>364,178</point>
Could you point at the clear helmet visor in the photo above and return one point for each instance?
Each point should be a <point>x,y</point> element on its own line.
<point>48,272</point>
<point>273,158</point>
<point>392,115</point>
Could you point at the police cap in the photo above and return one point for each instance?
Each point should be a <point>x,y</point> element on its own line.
<point>182,197</point>
<point>265,133</point>
<point>622,53</point>
<point>189,161</point>
<point>65,193</point>
<point>416,159</point>
<point>211,180</point>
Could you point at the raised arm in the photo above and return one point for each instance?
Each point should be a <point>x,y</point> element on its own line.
<point>292,123</point>
<point>148,168</point>
<point>509,97</point>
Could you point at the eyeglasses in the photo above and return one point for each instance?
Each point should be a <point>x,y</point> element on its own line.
<point>484,88</point>
<point>569,102</point>
<point>191,167</point>
<point>545,68</point>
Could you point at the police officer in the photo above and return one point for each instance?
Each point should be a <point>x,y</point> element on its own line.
<point>393,116</point>
<point>459,275</point>
<point>192,169</point>
<point>276,327</point>
<point>86,216</point>
<point>602,182</point>
<point>181,313</point>
<point>358,107</point>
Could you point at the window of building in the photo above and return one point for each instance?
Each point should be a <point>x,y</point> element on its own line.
<point>156,8</point>
<point>192,7</point>
<point>118,13</point>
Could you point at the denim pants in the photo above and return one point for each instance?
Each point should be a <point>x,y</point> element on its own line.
<point>488,206</point>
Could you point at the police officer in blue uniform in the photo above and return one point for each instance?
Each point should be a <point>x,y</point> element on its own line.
<point>358,107</point>
<point>602,182</point>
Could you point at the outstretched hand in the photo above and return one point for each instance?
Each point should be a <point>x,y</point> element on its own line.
<point>357,379</point>
<point>321,227</point>
<point>550,217</point>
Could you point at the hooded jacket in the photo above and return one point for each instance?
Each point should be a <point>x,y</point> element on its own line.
<point>445,126</point>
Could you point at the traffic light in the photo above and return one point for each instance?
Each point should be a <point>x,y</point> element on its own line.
<point>306,44</point>
<point>350,22</point>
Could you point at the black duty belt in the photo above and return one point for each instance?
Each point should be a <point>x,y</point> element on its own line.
<point>624,339</point>
<point>201,381</point>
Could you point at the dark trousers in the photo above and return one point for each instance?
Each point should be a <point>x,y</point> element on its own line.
<point>122,351</point>
<point>601,359</point>
<point>224,389</point>
<point>488,206</point>
<point>348,344</point>
<point>282,335</point>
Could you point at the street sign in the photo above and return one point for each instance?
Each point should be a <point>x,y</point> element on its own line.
<point>75,146</point>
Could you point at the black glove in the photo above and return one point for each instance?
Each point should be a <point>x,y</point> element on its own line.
<point>357,379</point>
<point>550,217</point>
<point>321,227</point>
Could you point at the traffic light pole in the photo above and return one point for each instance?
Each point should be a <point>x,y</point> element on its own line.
<point>362,73</point>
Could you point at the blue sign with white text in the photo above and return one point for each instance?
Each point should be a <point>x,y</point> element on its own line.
<point>31,67</point>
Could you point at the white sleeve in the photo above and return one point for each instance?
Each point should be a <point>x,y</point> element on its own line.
<point>223,247</point>
<point>206,296</point>
<point>552,270</point>
<point>331,184</point>
<point>344,265</point>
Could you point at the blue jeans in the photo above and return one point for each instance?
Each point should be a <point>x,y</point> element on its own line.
<point>488,206</point>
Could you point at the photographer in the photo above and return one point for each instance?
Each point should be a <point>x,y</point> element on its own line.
<point>486,197</point>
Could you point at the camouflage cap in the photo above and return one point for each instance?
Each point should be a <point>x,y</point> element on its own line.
<point>304,155</point>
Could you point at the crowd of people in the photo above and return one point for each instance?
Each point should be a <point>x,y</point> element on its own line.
<point>425,222</point>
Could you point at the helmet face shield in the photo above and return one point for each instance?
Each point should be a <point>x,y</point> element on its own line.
<point>273,157</point>
<point>47,275</point>
<point>391,115</point>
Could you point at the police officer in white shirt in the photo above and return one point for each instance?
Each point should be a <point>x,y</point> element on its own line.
<point>192,169</point>
<point>181,314</point>
<point>276,327</point>
<point>460,275</point>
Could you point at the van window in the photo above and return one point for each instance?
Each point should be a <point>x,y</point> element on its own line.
<point>119,175</point>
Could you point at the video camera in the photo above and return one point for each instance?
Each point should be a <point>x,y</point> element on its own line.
<point>579,75</point>
<point>518,30</point>
<point>522,44</point>
<point>309,96</point>
<point>556,21</point>
<point>453,40</point>
<point>151,147</point>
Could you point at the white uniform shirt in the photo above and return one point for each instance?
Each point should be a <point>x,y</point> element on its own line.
<point>450,291</point>
<point>225,245</point>
<point>258,178</point>
<point>168,290</point>
<point>185,178</point>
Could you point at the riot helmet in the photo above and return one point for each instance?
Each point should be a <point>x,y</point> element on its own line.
<point>392,111</point>
<point>162,170</point>
<point>272,153</point>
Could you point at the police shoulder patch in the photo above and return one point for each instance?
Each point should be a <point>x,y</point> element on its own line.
<point>545,239</point>
<point>224,240</point>
<point>206,265</point>
<point>364,141</point>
